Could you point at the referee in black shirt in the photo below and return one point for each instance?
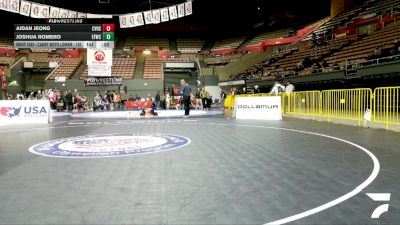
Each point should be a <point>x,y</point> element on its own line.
<point>185,90</point>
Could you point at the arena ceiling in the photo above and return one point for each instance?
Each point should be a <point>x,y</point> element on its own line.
<point>235,16</point>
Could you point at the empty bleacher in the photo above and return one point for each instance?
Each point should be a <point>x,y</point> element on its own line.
<point>6,42</point>
<point>6,60</point>
<point>379,7</point>
<point>360,50</point>
<point>268,35</point>
<point>132,42</point>
<point>228,43</point>
<point>121,67</point>
<point>153,66</point>
<point>187,45</point>
<point>334,54</point>
<point>66,66</point>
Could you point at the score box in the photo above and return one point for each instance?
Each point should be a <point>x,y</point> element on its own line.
<point>108,27</point>
<point>108,36</point>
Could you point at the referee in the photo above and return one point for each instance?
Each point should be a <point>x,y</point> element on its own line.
<point>185,90</point>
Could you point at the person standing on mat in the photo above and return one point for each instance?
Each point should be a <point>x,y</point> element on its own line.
<point>185,90</point>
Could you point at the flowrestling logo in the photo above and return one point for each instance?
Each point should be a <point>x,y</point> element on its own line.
<point>109,145</point>
<point>99,55</point>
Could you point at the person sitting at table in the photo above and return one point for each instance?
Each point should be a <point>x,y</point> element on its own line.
<point>152,111</point>
<point>98,102</point>
<point>106,103</point>
<point>82,103</point>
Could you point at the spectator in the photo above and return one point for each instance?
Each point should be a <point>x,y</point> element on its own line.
<point>185,89</point>
<point>378,51</point>
<point>204,97</point>
<point>106,102</point>
<point>256,90</point>
<point>69,98</point>
<point>82,103</point>
<point>117,100</point>
<point>324,64</point>
<point>32,96</point>
<point>39,95</point>
<point>277,88</point>
<point>20,96</point>
<point>97,102</point>
<point>74,95</point>
<point>158,99</point>
<point>289,87</point>
<point>306,62</point>
<point>223,96</point>
<point>336,66</point>
<point>131,98</point>
<point>198,99</point>
<point>167,101</point>
<point>60,104</point>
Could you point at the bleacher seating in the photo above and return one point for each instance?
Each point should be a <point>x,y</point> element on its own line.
<point>6,60</point>
<point>379,7</point>
<point>122,67</point>
<point>334,54</point>
<point>153,66</point>
<point>132,42</point>
<point>6,42</point>
<point>186,45</point>
<point>228,43</point>
<point>360,50</point>
<point>46,50</point>
<point>366,9</point>
<point>268,35</point>
<point>66,66</point>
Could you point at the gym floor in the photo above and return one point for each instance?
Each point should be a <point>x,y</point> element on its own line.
<point>225,172</point>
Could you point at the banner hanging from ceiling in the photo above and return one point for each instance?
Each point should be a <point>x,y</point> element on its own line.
<point>43,11</point>
<point>156,16</point>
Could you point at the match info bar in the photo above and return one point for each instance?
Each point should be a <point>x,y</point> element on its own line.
<point>64,28</point>
<point>64,36</point>
<point>63,44</point>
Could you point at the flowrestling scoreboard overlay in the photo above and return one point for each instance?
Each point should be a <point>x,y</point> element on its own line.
<point>63,36</point>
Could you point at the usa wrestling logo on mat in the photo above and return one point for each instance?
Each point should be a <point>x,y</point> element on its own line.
<point>109,145</point>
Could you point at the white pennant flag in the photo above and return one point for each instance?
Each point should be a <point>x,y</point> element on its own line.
<point>173,14</point>
<point>181,10</point>
<point>98,16</point>
<point>14,6</point>
<point>72,14</point>
<point>81,15</point>
<point>123,23</point>
<point>63,14</point>
<point>35,10</point>
<point>54,12</point>
<point>188,8</point>
<point>148,17</point>
<point>25,8</point>
<point>139,19</point>
<point>4,5</point>
<point>130,19</point>
<point>44,11</point>
<point>164,15</point>
<point>156,16</point>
